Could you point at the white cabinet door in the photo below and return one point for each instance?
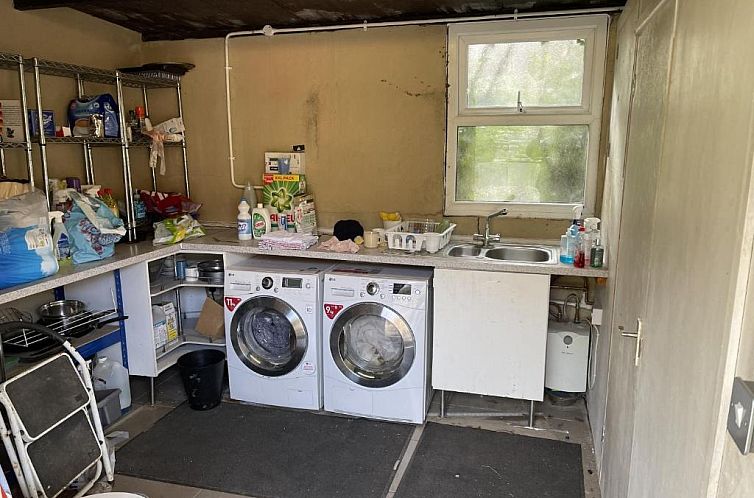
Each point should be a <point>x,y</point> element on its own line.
<point>490,333</point>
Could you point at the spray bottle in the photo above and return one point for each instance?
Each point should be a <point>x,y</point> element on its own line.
<point>572,235</point>
<point>60,239</point>
<point>589,237</point>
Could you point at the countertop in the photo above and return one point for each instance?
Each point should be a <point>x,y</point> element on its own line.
<point>225,240</point>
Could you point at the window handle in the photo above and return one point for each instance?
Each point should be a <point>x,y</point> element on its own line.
<point>520,105</point>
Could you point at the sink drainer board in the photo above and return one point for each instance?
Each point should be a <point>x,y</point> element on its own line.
<point>453,461</point>
<point>268,452</point>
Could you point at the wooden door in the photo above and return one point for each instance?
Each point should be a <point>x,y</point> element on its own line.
<point>642,162</point>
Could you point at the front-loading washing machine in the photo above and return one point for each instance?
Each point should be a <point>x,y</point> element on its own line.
<point>273,331</point>
<point>376,341</point>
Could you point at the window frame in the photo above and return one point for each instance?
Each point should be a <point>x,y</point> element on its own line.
<point>593,29</point>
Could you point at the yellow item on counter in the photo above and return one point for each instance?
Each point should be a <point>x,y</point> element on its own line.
<point>359,239</point>
<point>385,216</point>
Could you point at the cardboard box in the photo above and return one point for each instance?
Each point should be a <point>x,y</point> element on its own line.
<point>211,321</point>
<point>279,193</point>
<point>297,162</point>
<point>171,321</point>
<point>11,121</point>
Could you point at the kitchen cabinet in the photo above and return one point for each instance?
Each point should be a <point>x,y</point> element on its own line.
<point>152,282</point>
<point>490,333</point>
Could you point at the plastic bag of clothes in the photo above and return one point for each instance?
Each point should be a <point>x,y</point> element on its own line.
<point>92,228</point>
<point>26,252</point>
<point>174,230</point>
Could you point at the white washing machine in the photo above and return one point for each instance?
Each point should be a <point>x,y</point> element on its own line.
<point>376,339</point>
<point>273,331</point>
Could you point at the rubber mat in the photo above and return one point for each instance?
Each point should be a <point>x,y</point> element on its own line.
<point>268,452</point>
<point>456,462</point>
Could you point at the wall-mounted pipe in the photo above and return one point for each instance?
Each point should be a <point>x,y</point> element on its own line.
<point>270,31</point>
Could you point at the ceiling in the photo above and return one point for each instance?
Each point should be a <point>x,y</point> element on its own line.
<point>181,19</point>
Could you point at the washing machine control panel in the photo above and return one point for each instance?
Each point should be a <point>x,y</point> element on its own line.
<point>271,282</point>
<point>401,293</point>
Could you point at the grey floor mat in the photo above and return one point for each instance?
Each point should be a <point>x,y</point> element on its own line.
<point>267,452</point>
<point>453,461</point>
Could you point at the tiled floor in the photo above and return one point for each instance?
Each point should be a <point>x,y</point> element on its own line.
<point>553,421</point>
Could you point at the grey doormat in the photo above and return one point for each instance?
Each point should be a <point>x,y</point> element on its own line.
<point>456,462</point>
<point>267,452</point>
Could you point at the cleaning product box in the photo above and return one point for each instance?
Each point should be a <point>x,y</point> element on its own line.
<point>171,321</point>
<point>49,123</point>
<point>11,121</point>
<point>304,215</point>
<point>292,163</point>
<point>278,193</point>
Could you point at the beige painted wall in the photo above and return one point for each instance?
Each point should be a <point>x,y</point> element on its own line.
<point>370,107</point>
<point>68,36</point>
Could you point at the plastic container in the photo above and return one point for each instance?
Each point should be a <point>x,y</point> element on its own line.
<point>249,194</point>
<point>109,374</point>
<point>108,406</point>
<point>202,372</point>
<point>412,235</point>
<point>260,221</point>
<point>244,221</point>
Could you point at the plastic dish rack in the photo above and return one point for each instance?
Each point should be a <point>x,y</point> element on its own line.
<point>413,236</point>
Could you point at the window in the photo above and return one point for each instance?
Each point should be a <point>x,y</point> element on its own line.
<point>524,110</point>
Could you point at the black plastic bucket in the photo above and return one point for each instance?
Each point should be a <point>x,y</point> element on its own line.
<point>202,372</point>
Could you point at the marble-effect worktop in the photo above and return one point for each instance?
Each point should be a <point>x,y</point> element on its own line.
<point>225,241</point>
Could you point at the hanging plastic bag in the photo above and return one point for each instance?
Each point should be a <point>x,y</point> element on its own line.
<point>26,252</point>
<point>93,229</point>
<point>174,230</point>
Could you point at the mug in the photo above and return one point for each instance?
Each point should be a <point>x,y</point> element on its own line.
<point>371,239</point>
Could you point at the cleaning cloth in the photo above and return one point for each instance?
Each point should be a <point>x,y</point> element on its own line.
<point>287,240</point>
<point>335,245</point>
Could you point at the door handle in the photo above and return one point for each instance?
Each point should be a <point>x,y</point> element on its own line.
<point>634,335</point>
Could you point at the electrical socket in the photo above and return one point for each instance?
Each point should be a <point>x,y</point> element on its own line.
<point>597,316</point>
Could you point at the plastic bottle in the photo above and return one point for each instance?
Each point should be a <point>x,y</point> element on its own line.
<point>249,194</point>
<point>60,239</point>
<point>589,237</point>
<point>573,234</point>
<point>579,256</point>
<point>598,254</point>
<point>244,220</point>
<point>564,258</point>
<point>109,374</point>
<point>260,221</point>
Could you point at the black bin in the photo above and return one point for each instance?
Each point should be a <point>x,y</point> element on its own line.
<point>202,372</point>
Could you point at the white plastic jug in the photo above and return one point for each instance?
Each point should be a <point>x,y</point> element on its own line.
<point>109,374</point>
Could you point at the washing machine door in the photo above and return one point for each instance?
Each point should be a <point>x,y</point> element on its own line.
<point>372,345</point>
<point>268,336</point>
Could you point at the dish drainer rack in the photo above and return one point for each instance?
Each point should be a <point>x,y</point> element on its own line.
<point>414,235</point>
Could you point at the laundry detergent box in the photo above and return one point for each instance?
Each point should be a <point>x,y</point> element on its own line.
<point>278,194</point>
<point>293,163</point>
<point>49,123</point>
<point>11,121</point>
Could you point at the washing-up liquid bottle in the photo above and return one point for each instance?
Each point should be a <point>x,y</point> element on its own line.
<point>244,220</point>
<point>573,234</point>
<point>579,259</point>
<point>260,221</point>
<point>60,239</point>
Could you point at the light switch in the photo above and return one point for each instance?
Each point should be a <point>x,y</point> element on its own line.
<point>740,413</point>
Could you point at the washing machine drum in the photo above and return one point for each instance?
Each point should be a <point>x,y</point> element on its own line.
<point>268,336</point>
<point>372,345</point>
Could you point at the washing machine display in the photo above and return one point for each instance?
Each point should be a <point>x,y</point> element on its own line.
<point>269,336</point>
<point>372,344</point>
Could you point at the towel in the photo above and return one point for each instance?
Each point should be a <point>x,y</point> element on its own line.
<point>335,245</point>
<point>287,240</point>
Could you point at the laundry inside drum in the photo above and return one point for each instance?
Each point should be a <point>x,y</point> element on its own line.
<point>373,344</point>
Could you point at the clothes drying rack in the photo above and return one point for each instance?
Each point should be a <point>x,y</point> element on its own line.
<point>53,435</point>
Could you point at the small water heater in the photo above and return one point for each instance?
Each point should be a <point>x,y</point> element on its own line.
<point>567,363</point>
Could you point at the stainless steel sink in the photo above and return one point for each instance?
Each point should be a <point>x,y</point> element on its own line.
<point>465,250</point>
<point>505,252</point>
<point>528,254</point>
